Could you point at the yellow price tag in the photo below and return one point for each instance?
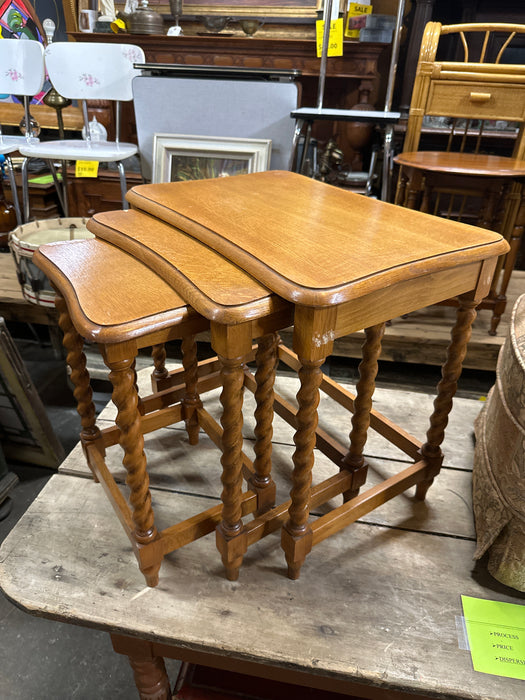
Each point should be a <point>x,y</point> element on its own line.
<point>86,168</point>
<point>335,43</point>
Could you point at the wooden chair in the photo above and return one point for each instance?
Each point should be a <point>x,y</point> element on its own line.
<point>468,180</point>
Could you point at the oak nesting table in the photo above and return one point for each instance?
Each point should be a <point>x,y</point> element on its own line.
<point>344,262</point>
<point>108,297</point>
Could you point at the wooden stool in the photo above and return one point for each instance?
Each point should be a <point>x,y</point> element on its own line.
<point>345,262</point>
<point>108,297</point>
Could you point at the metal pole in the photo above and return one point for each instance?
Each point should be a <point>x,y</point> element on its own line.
<point>327,15</point>
<point>395,55</point>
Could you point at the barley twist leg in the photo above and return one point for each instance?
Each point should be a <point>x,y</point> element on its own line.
<point>122,377</point>
<point>191,400</point>
<point>354,460</point>
<point>261,482</point>
<point>450,373</point>
<point>76,360</point>
<point>230,533</point>
<point>296,536</point>
<point>160,373</point>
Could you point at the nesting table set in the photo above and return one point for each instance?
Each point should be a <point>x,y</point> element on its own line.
<point>245,257</point>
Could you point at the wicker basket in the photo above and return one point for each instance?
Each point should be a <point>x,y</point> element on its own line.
<point>23,242</point>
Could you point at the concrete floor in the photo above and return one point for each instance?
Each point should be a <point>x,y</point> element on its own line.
<point>41,659</point>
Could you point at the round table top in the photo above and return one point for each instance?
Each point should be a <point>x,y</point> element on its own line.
<point>463,163</point>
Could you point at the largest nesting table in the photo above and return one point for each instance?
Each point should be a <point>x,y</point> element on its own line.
<point>344,262</point>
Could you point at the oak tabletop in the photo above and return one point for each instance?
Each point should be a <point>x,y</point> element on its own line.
<point>463,163</point>
<point>110,295</point>
<point>310,242</point>
<point>215,287</point>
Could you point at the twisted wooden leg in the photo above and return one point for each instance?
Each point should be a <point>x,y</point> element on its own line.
<point>296,536</point>
<point>401,188</point>
<point>508,266</point>
<point>125,398</point>
<point>191,400</point>
<point>354,460</point>
<point>261,482</point>
<point>160,373</point>
<point>140,404</point>
<point>83,393</point>
<point>451,371</point>
<point>230,533</point>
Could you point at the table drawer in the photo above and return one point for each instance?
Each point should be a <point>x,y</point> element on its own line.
<point>476,100</point>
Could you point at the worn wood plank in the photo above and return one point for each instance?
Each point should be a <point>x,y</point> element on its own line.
<point>397,593</point>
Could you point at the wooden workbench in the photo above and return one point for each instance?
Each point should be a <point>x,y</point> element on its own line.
<point>373,614</point>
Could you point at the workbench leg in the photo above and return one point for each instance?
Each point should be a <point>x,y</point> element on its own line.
<point>296,535</point>
<point>230,533</point>
<point>354,460</point>
<point>450,373</point>
<point>261,482</point>
<point>128,420</point>
<point>76,359</point>
<point>149,671</point>
<point>191,401</point>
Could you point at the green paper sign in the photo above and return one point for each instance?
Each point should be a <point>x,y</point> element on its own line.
<point>496,634</point>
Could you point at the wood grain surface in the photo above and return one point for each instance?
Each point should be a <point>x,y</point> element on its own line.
<point>312,243</point>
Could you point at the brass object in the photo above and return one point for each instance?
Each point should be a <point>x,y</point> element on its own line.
<point>215,23</point>
<point>250,26</point>
<point>145,21</point>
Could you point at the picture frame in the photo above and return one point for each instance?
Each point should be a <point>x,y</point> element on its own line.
<point>178,157</point>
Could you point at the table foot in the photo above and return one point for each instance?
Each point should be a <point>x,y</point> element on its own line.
<point>151,574</point>
<point>296,548</point>
<point>232,548</point>
<point>422,488</point>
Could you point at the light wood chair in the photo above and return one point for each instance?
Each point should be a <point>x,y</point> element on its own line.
<point>468,180</point>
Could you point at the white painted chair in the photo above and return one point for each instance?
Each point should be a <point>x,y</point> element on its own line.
<point>22,73</point>
<point>89,72</point>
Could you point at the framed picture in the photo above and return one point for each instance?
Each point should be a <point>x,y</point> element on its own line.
<point>178,157</point>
